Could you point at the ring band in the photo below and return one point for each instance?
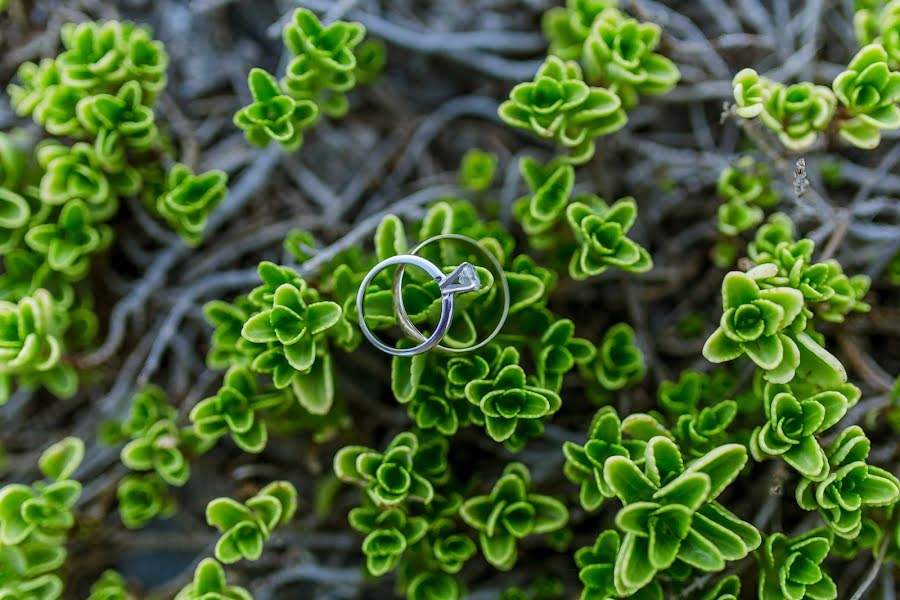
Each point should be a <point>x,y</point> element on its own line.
<point>400,310</point>
<point>446,305</point>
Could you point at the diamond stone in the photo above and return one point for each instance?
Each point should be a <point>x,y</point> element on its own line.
<point>468,277</point>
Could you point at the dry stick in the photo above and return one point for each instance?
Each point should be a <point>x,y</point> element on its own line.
<point>430,127</point>
<point>251,180</point>
<point>845,217</point>
<point>873,572</point>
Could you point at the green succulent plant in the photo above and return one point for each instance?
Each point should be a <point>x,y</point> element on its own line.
<point>670,512</point>
<point>209,583</point>
<point>77,173</point>
<point>389,534</point>
<point>509,513</point>
<point>618,361</point>
<point>851,485</point>
<point>584,463</point>
<point>189,199</point>
<point>148,406</point>
<point>619,52</point>
<point>42,512</point>
<point>551,187</point>
<point>792,567</point>
<point>110,586</point>
<point>568,27</point>
<point>159,449</point>
<point>870,92</point>
<point>274,115</point>
<point>508,401</point>
<point>735,217</point>
<point>324,61</point>
<point>559,352</point>
<point>477,170</point>
<point>31,345</point>
<point>389,478</point>
<point>44,587</point>
<point>292,325</point>
<point>143,498</point>
<point>601,232</point>
<point>753,323</point>
<point>747,181</point>
<point>119,121</point>
<point>796,113</point>
<point>234,409</point>
<point>559,106</point>
<point>880,24</point>
<point>246,527</point>
<point>429,586</point>
<point>69,243</point>
<point>450,548</point>
<point>793,422</point>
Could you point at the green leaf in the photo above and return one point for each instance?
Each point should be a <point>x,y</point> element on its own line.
<point>60,460</point>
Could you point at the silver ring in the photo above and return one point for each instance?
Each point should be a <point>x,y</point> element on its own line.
<point>403,318</point>
<point>457,282</point>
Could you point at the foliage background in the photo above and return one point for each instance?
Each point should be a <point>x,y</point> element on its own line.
<point>450,64</point>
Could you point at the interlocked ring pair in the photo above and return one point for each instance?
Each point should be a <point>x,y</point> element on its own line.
<point>463,279</point>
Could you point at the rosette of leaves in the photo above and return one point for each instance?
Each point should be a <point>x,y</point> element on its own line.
<point>389,533</point>
<point>847,296</point>
<point>69,243</point>
<point>36,80</point>
<point>246,527</point>
<point>619,52</point>
<point>750,93</point>
<point>559,352</point>
<point>110,586</point>
<point>15,215</point>
<point>508,402</point>
<point>558,105</point>
<point>703,430</point>
<point>143,498</point>
<point>736,216</point>
<point>747,181</point>
<point>618,361</point>
<point>584,464</point>
<point>159,449</point>
<point>100,56</point>
<point>428,586</point>
<point>568,27</point>
<point>389,478</point>
<point>601,232</point>
<point>792,424</point>
<point>596,566</point>
<point>324,63</point>
<point>551,187</point>
<point>77,173</point>
<point>850,487</point>
<point>292,325</point>
<point>792,567</point>
<point>119,122</point>
<point>510,513</point>
<point>209,583</point>
<point>42,512</point>
<point>449,547</point>
<point>273,115</point>
<point>235,410</point>
<point>31,345</point>
<point>754,323</point>
<point>148,406</point>
<point>44,587</point>
<point>189,199</point>
<point>477,170</point>
<point>880,24</point>
<point>870,91</point>
<point>670,513</point>
<point>777,229</point>
<point>228,347</point>
<point>797,113</point>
